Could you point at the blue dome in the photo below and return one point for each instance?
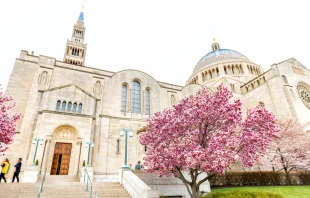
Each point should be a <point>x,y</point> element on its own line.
<point>218,56</point>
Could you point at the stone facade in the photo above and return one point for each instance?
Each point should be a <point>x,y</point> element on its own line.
<point>67,102</point>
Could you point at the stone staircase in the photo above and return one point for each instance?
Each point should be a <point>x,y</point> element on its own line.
<point>56,186</point>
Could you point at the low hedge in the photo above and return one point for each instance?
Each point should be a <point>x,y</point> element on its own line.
<point>242,194</point>
<point>268,178</point>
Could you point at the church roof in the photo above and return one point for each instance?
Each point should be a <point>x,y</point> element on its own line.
<point>218,56</point>
<point>81,17</point>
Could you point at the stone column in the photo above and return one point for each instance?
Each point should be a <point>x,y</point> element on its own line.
<point>245,69</point>
<point>221,69</point>
<point>47,153</point>
<point>77,157</point>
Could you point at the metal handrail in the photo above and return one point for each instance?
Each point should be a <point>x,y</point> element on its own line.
<point>42,184</point>
<point>92,190</point>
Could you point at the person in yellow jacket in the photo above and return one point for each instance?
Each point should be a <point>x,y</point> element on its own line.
<point>5,168</point>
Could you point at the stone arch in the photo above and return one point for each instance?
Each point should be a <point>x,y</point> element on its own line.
<point>65,132</point>
<point>69,136</point>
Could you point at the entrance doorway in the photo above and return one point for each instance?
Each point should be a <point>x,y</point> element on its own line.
<point>61,159</point>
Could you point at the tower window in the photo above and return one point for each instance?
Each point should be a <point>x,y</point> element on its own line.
<point>136,97</point>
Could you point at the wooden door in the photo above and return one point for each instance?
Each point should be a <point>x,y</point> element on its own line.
<point>64,167</point>
<point>61,159</point>
<point>54,164</point>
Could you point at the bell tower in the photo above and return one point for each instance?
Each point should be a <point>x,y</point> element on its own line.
<point>75,51</point>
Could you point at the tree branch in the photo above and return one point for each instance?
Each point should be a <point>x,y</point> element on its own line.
<point>206,178</point>
<point>182,177</point>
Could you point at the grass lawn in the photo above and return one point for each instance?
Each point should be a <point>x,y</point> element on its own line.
<point>286,191</point>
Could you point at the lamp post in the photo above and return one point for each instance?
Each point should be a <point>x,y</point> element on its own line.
<point>122,131</point>
<point>36,141</point>
<point>90,144</point>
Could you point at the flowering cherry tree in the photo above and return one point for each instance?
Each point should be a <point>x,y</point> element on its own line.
<point>291,151</point>
<point>205,133</point>
<point>7,121</point>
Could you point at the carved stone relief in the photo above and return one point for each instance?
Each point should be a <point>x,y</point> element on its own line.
<point>65,133</point>
<point>70,118</point>
<point>172,99</point>
<point>97,88</point>
<point>43,78</point>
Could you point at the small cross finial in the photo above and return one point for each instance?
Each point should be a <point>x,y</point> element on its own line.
<point>213,37</point>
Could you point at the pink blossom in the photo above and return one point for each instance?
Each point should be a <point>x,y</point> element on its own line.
<point>206,133</point>
<point>7,121</point>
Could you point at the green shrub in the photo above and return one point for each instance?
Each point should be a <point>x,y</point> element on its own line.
<point>37,162</point>
<point>83,163</point>
<point>242,194</point>
<point>304,178</point>
<point>270,178</point>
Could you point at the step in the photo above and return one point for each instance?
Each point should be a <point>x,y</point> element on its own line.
<point>54,188</point>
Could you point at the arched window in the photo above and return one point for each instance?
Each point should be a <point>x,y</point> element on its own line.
<point>117,146</point>
<point>69,106</point>
<point>225,70</point>
<point>284,79</point>
<point>80,108</point>
<point>136,97</point>
<point>147,102</point>
<point>74,107</point>
<point>63,106</point>
<point>210,74</point>
<point>124,97</point>
<point>217,72</point>
<point>233,69</point>
<point>58,105</point>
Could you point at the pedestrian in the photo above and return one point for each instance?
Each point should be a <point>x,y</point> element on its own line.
<point>5,168</point>
<point>138,166</point>
<point>17,170</point>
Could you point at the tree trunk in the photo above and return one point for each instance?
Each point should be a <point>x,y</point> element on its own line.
<point>195,191</point>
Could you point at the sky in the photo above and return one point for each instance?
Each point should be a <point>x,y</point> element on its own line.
<point>164,38</point>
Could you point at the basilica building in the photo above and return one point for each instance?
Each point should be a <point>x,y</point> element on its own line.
<point>73,113</point>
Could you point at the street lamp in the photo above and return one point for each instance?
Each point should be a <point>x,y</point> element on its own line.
<point>36,141</point>
<point>90,144</point>
<point>122,131</point>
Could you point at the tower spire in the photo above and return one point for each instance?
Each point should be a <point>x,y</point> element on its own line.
<point>75,51</point>
<point>81,17</point>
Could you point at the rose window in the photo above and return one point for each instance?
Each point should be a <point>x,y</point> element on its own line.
<point>304,93</point>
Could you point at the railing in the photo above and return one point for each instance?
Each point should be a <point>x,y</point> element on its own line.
<point>42,183</point>
<point>92,190</point>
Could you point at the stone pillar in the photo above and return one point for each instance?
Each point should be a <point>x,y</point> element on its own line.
<point>77,157</point>
<point>221,69</point>
<point>47,152</point>
<point>245,68</point>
